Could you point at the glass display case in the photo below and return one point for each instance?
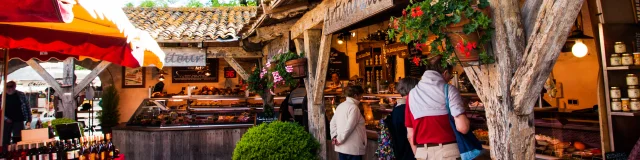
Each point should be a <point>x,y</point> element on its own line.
<point>196,111</point>
<point>373,107</point>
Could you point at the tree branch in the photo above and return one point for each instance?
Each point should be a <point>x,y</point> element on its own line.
<point>553,23</point>
<point>529,15</point>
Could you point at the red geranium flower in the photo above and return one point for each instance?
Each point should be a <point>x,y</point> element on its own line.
<point>416,12</point>
<point>416,60</point>
<point>404,13</point>
<point>395,23</point>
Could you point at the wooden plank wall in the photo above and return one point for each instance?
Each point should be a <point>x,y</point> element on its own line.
<point>178,145</point>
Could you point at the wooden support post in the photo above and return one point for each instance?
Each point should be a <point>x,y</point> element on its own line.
<point>5,69</point>
<point>46,76</point>
<point>69,103</point>
<point>299,43</point>
<point>94,73</point>
<point>317,54</point>
<point>236,66</point>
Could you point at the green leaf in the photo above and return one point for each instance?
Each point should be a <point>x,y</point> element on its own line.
<point>484,21</point>
<point>456,18</point>
<point>483,4</point>
<point>470,27</point>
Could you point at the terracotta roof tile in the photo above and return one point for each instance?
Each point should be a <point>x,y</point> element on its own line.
<point>209,24</point>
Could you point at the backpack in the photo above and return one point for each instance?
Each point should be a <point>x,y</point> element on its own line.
<point>384,150</point>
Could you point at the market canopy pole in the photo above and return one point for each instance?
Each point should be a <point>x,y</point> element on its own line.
<point>525,55</point>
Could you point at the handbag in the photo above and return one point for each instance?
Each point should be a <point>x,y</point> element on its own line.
<point>469,146</point>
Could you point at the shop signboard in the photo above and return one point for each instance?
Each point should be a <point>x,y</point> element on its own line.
<point>338,63</point>
<point>345,13</point>
<point>198,74</point>
<point>179,58</point>
<point>262,118</point>
<point>399,49</point>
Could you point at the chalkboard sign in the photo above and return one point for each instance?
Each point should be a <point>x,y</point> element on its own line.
<point>261,118</point>
<point>411,70</point>
<point>196,74</point>
<point>229,72</point>
<point>338,63</point>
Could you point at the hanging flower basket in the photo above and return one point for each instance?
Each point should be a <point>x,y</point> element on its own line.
<point>465,46</point>
<point>299,67</point>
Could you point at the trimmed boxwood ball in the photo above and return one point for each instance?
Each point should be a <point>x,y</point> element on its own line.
<point>276,140</point>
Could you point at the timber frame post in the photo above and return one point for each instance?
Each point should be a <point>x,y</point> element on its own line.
<point>68,90</point>
<point>317,54</point>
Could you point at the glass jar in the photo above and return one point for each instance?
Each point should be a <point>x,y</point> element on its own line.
<point>616,105</point>
<point>619,47</point>
<point>627,59</point>
<point>625,104</point>
<point>633,92</point>
<point>635,104</point>
<point>615,92</point>
<point>615,60</point>
<point>636,58</point>
<point>632,80</point>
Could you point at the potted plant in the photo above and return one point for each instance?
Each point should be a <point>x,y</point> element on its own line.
<point>110,115</point>
<point>456,29</point>
<point>276,140</point>
<point>276,73</point>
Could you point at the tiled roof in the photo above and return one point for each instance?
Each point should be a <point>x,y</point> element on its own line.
<point>191,24</point>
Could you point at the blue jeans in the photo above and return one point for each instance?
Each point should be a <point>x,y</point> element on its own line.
<point>342,156</point>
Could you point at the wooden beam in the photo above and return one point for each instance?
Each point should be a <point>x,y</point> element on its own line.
<point>237,67</point>
<point>269,33</point>
<point>299,43</point>
<point>69,103</point>
<point>321,69</point>
<point>290,7</point>
<point>312,19</point>
<point>46,76</point>
<point>94,73</point>
<point>215,52</point>
<point>316,110</point>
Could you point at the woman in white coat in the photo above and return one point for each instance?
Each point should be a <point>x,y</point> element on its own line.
<point>347,126</point>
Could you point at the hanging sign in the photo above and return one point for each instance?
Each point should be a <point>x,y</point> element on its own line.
<point>396,49</point>
<point>175,58</point>
<point>206,74</point>
<point>229,72</point>
<point>338,63</point>
<point>345,13</point>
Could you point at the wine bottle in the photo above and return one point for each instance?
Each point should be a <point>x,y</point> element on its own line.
<point>76,148</point>
<point>87,149</point>
<point>38,124</point>
<point>52,152</point>
<point>94,151</point>
<point>31,153</point>
<point>43,151</point>
<point>102,152</point>
<point>69,150</point>
<point>24,151</point>
<point>80,149</point>
<point>61,150</point>
<point>110,147</point>
<point>9,153</point>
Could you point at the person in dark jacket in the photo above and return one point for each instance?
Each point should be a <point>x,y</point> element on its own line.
<point>17,112</point>
<point>401,146</point>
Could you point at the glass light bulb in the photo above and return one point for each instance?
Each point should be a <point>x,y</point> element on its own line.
<point>161,78</point>
<point>340,41</point>
<point>579,49</point>
<point>207,74</point>
<point>353,34</point>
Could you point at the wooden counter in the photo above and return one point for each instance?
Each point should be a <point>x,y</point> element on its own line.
<point>203,142</point>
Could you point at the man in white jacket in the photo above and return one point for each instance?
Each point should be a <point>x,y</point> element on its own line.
<point>347,126</point>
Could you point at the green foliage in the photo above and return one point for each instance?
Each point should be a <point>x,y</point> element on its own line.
<point>276,140</point>
<point>260,85</point>
<point>110,114</point>
<point>58,121</point>
<point>129,5</point>
<point>232,3</point>
<point>77,67</point>
<point>148,3</point>
<point>423,19</point>
<point>194,4</point>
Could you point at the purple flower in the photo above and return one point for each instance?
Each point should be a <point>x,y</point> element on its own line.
<point>276,77</point>
<point>268,64</point>
<point>289,69</point>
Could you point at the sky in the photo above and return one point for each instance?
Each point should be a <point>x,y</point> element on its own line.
<point>179,3</point>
